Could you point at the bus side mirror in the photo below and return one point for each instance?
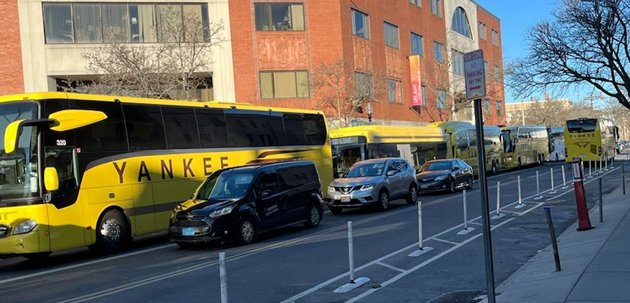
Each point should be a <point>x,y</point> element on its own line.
<point>74,118</point>
<point>14,129</point>
<point>51,179</point>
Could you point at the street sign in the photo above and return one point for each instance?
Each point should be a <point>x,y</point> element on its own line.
<point>474,74</point>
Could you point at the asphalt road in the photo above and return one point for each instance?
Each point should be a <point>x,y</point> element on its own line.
<point>297,264</point>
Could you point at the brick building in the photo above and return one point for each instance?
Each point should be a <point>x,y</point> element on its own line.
<point>272,49</point>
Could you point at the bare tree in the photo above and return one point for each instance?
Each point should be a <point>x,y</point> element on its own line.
<point>587,43</point>
<point>177,65</point>
<point>344,93</point>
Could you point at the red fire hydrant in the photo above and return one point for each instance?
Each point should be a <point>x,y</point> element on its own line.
<point>584,223</point>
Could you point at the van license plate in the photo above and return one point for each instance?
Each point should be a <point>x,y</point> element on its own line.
<point>188,231</point>
<point>345,198</point>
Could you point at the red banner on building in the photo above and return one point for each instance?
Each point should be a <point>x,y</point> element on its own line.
<point>416,81</point>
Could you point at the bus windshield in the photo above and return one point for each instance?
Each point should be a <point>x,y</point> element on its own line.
<point>18,170</point>
<point>582,125</point>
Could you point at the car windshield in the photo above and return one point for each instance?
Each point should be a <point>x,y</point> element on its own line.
<point>18,170</point>
<point>435,166</point>
<point>231,184</point>
<point>366,170</point>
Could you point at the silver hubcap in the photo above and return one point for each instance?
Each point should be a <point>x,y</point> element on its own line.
<point>384,200</point>
<point>111,231</point>
<point>247,231</point>
<point>314,215</point>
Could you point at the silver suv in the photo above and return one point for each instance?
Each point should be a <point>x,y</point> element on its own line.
<point>373,182</point>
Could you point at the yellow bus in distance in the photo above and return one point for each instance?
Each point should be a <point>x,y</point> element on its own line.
<point>524,145</point>
<point>463,144</point>
<point>591,139</point>
<point>85,170</point>
<point>414,143</point>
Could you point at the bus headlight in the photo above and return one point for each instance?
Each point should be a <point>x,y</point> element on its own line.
<point>24,227</point>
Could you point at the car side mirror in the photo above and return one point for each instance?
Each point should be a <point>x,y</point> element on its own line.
<point>391,172</point>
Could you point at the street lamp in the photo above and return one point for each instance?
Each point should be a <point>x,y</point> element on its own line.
<point>369,110</point>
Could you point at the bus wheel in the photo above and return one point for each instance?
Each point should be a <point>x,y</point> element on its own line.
<point>112,233</point>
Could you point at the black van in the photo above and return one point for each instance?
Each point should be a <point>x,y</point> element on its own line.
<point>240,202</point>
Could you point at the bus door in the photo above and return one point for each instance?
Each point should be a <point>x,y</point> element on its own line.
<point>65,215</point>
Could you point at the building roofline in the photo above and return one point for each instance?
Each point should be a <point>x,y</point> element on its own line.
<point>485,10</point>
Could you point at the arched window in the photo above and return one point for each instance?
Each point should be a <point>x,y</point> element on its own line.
<point>460,22</point>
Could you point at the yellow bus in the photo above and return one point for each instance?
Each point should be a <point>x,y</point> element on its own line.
<point>590,139</point>
<point>414,143</point>
<point>463,144</point>
<point>524,145</point>
<point>84,170</point>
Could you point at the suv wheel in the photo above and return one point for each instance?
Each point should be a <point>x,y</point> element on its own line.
<point>413,194</point>
<point>383,200</point>
<point>314,216</point>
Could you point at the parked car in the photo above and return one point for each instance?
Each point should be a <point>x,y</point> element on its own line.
<point>241,202</point>
<point>373,182</point>
<point>447,174</point>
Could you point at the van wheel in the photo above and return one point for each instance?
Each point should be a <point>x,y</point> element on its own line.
<point>413,194</point>
<point>112,233</point>
<point>383,200</point>
<point>314,216</point>
<point>246,231</point>
<point>335,210</point>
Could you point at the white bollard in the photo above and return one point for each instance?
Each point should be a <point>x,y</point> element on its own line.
<point>590,170</point>
<point>499,214</point>
<point>354,283</point>
<point>538,196</point>
<point>223,278</point>
<point>350,252</point>
<point>606,164</point>
<point>467,229</point>
<point>520,197</point>
<point>421,248</point>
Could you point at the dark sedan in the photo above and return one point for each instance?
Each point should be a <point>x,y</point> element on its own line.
<point>443,175</point>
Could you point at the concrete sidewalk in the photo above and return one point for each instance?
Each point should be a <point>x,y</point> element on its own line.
<point>595,263</point>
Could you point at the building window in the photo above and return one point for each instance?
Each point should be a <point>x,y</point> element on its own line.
<point>394,91</point>
<point>458,62</point>
<point>482,31</point>
<point>417,3</point>
<point>391,35</point>
<point>438,52</point>
<point>436,7</point>
<point>498,108</point>
<point>363,84</point>
<point>137,23</point>
<point>284,84</point>
<point>486,105</point>
<point>497,73</point>
<point>494,37</point>
<point>416,44</point>
<point>360,24</point>
<point>441,99</point>
<point>58,23</point>
<point>279,17</point>
<point>460,22</point>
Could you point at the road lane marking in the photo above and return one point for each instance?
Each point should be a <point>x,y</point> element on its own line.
<point>445,241</point>
<point>390,267</point>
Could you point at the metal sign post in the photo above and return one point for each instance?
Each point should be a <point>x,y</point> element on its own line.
<point>475,78</point>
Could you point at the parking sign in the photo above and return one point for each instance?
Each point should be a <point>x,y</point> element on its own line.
<point>475,74</point>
